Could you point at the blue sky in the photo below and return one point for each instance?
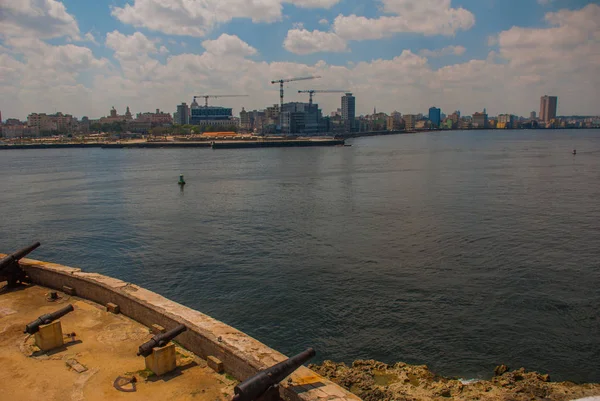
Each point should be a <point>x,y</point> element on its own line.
<point>394,54</point>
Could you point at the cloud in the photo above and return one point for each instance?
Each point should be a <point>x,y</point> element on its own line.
<point>562,58</point>
<point>229,45</point>
<point>127,47</point>
<point>446,51</point>
<point>198,18</point>
<point>323,21</point>
<point>44,19</point>
<point>428,17</point>
<point>302,41</point>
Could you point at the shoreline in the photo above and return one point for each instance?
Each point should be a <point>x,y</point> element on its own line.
<point>267,143</point>
<point>376,381</point>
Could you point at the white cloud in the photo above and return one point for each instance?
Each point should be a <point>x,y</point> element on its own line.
<point>89,37</point>
<point>42,19</point>
<point>446,51</point>
<point>429,17</point>
<point>323,21</point>
<point>302,41</point>
<point>197,18</point>
<point>229,45</point>
<point>127,47</point>
<point>561,59</point>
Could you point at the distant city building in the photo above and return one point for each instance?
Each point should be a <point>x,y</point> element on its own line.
<point>42,122</point>
<point>480,120</point>
<point>13,121</point>
<point>348,111</point>
<point>157,119</point>
<point>211,117</point>
<point>410,121</point>
<point>548,107</point>
<point>532,115</point>
<point>300,118</point>
<point>114,117</point>
<point>245,123</point>
<point>435,116</point>
<point>182,114</point>
<point>507,121</point>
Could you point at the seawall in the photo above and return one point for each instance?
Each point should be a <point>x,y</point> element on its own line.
<point>242,355</point>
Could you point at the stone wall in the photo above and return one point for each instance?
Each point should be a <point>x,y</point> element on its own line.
<point>242,355</point>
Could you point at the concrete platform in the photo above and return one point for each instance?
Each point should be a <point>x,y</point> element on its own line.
<point>85,368</point>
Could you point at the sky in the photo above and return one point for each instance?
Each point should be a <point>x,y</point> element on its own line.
<point>83,57</point>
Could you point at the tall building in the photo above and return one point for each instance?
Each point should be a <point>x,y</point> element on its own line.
<point>348,111</point>
<point>183,114</point>
<point>300,118</point>
<point>480,120</point>
<point>548,106</point>
<point>435,116</point>
<point>532,115</point>
<point>409,122</point>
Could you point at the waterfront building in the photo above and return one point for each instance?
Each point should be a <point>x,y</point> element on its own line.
<point>300,118</point>
<point>410,121</point>
<point>182,114</point>
<point>157,119</point>
<point>548,107</point>
<point>348,111</point>
<point>435,116</point>
<point>42,122</point>
<point>532,115</point>
<point>480,120</point>
<point>508,121</point>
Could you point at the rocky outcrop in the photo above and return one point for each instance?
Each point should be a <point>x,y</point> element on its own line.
<point>377,381</point>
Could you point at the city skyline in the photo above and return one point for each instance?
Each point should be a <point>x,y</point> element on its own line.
<point>84,58</point>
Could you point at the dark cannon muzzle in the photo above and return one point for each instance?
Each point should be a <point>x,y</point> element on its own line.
<point>9,265</point>
<point>160,340</point>
<point>48,318</point>
<point>257,385</point>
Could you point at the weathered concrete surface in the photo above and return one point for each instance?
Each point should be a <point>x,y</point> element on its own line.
<point>105,347</point>
<point>377,381</point>
<point>242,355</point>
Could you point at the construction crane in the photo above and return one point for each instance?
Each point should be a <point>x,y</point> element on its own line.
<point>215,96</point>
<point>311,92</point>
<point>282,81</point>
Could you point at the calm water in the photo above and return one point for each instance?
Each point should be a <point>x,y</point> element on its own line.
<point>460,250</point>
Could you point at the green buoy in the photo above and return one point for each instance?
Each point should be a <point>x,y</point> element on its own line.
<point>181,180</point>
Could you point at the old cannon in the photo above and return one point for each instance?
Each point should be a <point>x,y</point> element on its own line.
<point>48,318</point>
<point>267,380</point>
<point>9,265</point>
<point>160,340</point>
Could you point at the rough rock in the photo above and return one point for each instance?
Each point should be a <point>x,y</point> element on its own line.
<point>377,381</point>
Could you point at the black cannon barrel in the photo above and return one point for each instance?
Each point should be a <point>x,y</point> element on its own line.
<point>160,340</point>
<point>18,255</point>
<point>254,387</point>
<point>34,326</point>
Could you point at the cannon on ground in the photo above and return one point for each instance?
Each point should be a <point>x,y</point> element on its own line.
<point>10,268</point>
<point>267,380</point>
<point>160,340</point>
<point>48,318</point>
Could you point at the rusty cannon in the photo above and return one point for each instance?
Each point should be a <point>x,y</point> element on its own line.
<point>48,318</point>
<point>10,268</point>
<point>264,383</point>
<point>160,340</point>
